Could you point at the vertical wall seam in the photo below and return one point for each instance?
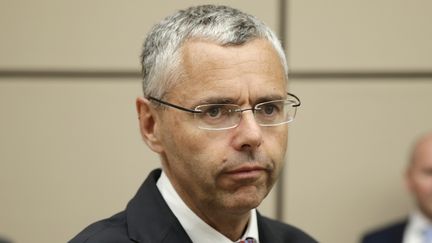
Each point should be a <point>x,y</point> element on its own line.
<point>282,18</point>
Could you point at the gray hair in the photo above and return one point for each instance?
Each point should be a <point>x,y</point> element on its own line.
<point>223,25</point>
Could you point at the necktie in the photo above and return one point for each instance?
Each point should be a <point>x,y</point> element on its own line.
<point>427,235</point>
<point>252,240</point>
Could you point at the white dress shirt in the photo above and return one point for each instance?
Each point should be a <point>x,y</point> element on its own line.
<point>198,230</point>
<point>417,224</point>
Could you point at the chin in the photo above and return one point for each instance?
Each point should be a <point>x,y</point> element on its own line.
<point>245,202</point>
<point>243,207</point>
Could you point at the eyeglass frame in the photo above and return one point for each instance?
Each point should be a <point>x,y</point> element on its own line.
<point>151,98</point>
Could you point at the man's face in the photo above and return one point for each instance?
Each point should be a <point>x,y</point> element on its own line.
<point>228,170</point>
<point>419,176</point>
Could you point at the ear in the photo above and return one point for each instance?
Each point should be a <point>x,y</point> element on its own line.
<point>149,124</point>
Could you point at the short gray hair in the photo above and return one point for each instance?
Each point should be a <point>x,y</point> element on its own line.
<point>160,58</point>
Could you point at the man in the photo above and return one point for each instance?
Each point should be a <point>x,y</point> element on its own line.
<point>418,227</point>
<point>215,109</point>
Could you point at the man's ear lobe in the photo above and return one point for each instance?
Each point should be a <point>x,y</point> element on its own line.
<point>149,124</point>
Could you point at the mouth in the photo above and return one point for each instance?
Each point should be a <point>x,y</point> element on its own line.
<point>246,172</point>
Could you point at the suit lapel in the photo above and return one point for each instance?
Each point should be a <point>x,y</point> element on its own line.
<point>149,218</point>
<point>266,234</point>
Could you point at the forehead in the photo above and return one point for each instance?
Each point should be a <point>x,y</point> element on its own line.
<point>251,67</point>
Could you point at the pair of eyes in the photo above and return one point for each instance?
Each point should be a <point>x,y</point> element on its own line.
<point>222,110</point>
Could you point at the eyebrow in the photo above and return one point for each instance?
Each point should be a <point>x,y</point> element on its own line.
<point>228,100</point>
<point>269,98</point>
<point>216,100</point>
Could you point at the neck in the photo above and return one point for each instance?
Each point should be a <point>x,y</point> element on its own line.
<point>231,225</point>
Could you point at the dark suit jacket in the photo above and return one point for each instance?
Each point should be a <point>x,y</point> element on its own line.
<point>389,234</point>
<point>148,219</point>
<point>4,240</point>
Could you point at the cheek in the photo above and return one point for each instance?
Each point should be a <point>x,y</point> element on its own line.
<point>179,135</point>
<point>196,149</point>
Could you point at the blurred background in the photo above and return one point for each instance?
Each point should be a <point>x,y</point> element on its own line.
<point>70,149</point>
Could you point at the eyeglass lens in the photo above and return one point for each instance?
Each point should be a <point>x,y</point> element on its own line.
<point>225,116</point>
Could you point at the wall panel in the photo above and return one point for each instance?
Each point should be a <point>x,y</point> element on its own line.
<point>341,35</point>
<point>347,152</point>
<point>87,35</point>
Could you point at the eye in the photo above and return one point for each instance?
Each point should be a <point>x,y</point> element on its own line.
<point>269,109</point>
<point>213,111</point>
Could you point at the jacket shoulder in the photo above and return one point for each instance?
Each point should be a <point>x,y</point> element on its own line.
<point>390,233</point>
<point>271,230</point>
<point>108,230</point>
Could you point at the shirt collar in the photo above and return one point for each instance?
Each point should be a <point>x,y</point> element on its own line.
<point>195,227</point>
<point>418,222</point>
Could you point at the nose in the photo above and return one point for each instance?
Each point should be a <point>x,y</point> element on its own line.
<point>248,134</point>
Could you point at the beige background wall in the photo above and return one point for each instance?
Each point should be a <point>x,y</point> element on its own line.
<point>70,151</point>
<point>353,135</point>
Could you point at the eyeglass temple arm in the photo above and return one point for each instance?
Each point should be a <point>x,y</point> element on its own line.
<point>194,111</point>
<point>172,105</point>
<point>297,98</point>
